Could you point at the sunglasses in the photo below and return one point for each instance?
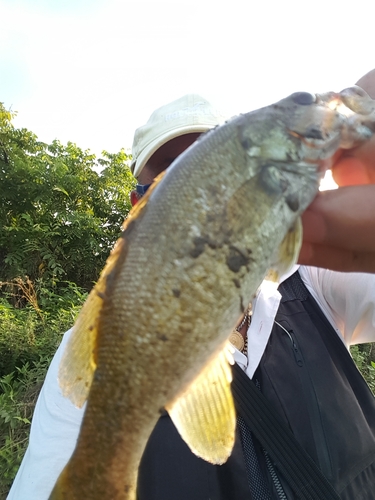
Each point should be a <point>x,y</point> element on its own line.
<point>142,188</point>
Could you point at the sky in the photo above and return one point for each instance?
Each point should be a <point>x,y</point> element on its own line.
<point>91,71</point>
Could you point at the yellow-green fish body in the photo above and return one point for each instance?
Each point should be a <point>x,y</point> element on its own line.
<point>192,254</point>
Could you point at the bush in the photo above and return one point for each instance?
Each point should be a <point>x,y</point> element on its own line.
<point>59,218</point>
<point>31,327</point>
<point>29,337</point>
<point>364,358</point>
<point>18,394</point>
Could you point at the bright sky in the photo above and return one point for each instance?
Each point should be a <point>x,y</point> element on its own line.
<point>91,71</point>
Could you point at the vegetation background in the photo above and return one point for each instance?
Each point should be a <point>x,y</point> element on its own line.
<point>61,211</point>
<point>59,218</point>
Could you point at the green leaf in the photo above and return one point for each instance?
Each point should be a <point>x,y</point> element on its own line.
<point>62,190</point>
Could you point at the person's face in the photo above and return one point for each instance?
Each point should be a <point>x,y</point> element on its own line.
<point>161,160</point>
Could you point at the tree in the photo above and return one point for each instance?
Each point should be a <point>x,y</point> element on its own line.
<point>59,217</point>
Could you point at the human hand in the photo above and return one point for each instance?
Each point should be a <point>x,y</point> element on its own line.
<point>339,226</point>
<point>339,230</point>
<point>356,166</point>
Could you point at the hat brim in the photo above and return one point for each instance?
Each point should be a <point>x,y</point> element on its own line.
<point>138,165</point>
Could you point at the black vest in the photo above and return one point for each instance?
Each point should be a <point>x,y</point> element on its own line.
<point>309,377</point>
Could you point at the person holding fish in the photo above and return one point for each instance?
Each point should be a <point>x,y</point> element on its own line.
<point>291,341</point>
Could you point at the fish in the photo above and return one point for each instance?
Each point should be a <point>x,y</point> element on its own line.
<point>153,333</point>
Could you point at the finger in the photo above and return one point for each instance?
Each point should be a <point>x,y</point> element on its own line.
<point>314,225</point>
<point>336,259</point>
<point>361,158</point>
<point>350,171</point>
<point>342,218</point>
<point>367,82</point>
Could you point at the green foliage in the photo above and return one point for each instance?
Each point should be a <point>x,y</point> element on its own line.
<point>17,336</point>
<point>61,211</point>
<point>58,216</point>
<point>29,337</point>
<point>35,329</point>
<point>18,394</point>
<point>364,358</point>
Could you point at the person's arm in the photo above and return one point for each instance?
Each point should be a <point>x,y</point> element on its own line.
<point>347,299</point>
<point>54,430</point>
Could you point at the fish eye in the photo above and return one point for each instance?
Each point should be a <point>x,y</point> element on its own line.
<point>303,98</point>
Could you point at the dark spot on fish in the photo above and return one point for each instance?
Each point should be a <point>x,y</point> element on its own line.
<point>313,133</point>
<point>211,217</point>
<point>303,98</point>
<point>289,157</point>
<point>176,292</point>
<point>237,283</point>
<point>97,375</point>
<point>162,337</point>
<point>110,280</point>
<point>236,259</point>
<point>292,200</point>
<point>214,244</point>
<point>214,191</point>
<point>199,243</point>
<point>246,143</point>
<point>243,133</point>
<point>100,294</point>
<point>127,488</point>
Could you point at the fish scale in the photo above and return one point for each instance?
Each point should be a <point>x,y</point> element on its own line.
<point>192,255</point>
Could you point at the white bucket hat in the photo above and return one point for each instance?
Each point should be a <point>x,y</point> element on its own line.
<point>190,113</point>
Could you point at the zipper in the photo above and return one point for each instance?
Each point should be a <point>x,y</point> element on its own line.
<point>274,477</point>
<point>296,351</point>
<point>324,461</point>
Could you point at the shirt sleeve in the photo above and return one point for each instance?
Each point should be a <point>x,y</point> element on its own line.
<point>53,435</point>
<point>347,299</point>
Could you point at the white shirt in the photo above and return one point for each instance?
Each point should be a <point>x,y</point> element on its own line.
<point>347,300</point>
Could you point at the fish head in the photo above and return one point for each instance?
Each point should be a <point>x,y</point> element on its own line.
<point>327,122</point>
<point>312,127</point>
<point>291,143</point>
<point>296,138</point>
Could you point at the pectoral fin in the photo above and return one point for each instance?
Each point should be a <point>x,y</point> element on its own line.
<point>204,415</point>
<point>288,252</point>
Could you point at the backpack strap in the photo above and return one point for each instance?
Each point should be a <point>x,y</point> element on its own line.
<point>288,456</point>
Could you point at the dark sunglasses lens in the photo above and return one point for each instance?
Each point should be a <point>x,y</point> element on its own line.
<point>142,188</point>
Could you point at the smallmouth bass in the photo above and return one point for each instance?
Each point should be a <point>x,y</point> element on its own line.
<point>203,239</point>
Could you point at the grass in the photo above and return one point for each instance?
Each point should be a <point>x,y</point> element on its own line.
<point>31,325</point>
